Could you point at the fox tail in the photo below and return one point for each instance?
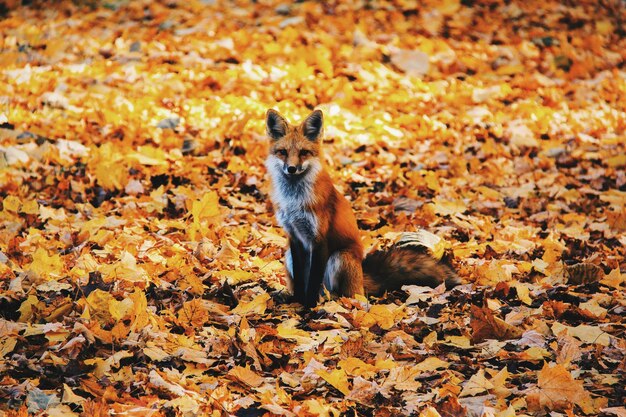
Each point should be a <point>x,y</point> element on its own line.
<point>407,262</point>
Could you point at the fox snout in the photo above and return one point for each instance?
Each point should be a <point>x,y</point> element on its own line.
<point>294,167</point>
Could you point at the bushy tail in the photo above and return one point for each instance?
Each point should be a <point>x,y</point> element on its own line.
<point>407,262</point>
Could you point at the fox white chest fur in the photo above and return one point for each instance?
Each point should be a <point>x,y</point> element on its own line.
<point>292,198</point>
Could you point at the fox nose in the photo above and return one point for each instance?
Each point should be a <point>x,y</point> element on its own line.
<point>291,169</point>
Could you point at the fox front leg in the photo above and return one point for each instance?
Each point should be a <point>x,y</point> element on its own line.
<point>300,268</point>
<point>319,258</point>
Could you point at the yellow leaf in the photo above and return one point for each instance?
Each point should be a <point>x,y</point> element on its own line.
<point>108,168</point>
<point>155,353</point>
<point>45,265</point>
<point>617,161</point>
<point>448,207</point>
<point>430,412</point>
<point>206,207</point>
<point>26,308</point>
<point>103,366</point>
<point>499,383</point>
<point>604,27</point>
<point>356,367</point>
<point>125,269</point>
<point>449,7</point>
<point>140,310</point>
<point>98,302</point>
<point>614,279</point>
<point>383,315</point>
<point>337,378</point>
<point>510,69</point>
<point>149,155</point>
<point>459,341</point>
<point>553,248</point>
<point>237,164</point>
<point>318,407</point>
<point>203,210</point>
<point>11,203</point>
<point>120,309</point>
<point>46,213</point>
<point>594,308</point>
<point>431,364</point>
<point>236,276</point>
<point>287,330</point>
<point>534,353</point>
<point>477,384</point>
<point>508,412</point>
<point>30,207</point>
<point>256,306</point>
<point>584,332</point>
<point>7,344</point>
<point>523,293</point>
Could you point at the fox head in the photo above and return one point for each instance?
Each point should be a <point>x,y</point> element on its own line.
<point>294,150</point>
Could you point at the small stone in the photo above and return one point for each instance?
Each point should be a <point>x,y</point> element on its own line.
<point>291,21</point>
<point>135,46</point>
<point>169,123</point>
<point>283,9</point>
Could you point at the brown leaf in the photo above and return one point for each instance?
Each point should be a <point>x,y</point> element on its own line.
<point>558,390</point>
<point>193,314</point>
<point>450,407</point>
<point>486,326</point>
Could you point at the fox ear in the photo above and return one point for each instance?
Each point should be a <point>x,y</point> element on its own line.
<point>312,125</point>
<point>275,124</point>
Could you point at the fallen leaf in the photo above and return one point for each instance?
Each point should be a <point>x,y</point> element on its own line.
<point>557,389</point>
<point>337,378</point>
<point>477,384</point>
<point>246,376</point>
<point>486,326</point>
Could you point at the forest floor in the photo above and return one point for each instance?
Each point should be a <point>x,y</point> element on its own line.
<point>141,264</point>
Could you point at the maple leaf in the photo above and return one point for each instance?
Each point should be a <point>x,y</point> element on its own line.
<point>557,389</point>
<point>193,314</point>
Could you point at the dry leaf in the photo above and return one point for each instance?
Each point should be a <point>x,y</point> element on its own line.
<point>557,390</point>
<point>246,376</point>
<point>486,326</point>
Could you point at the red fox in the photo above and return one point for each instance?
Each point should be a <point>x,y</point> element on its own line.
<point>324,244</point>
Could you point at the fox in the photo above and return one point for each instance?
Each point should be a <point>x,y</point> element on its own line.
<point>324,246</point>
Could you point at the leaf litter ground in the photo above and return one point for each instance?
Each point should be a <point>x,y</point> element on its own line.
<point>140,264</point>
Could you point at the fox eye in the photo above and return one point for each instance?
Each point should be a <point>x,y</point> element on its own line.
<point>281,152</point>
<point>305,152</point>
